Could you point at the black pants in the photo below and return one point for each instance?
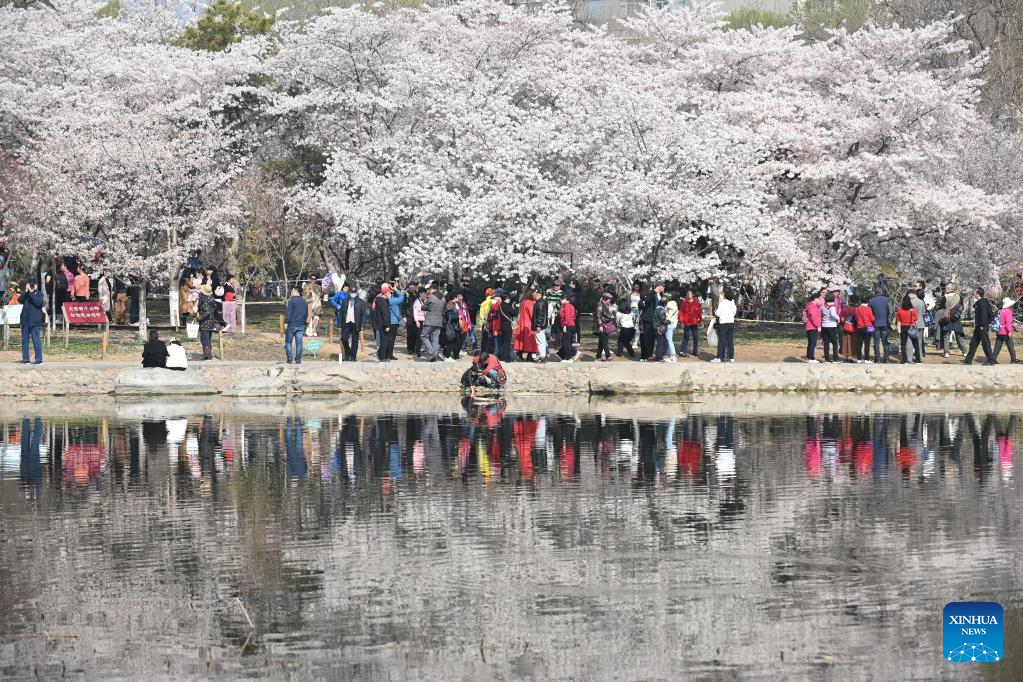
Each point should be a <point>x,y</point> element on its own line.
<point>1007,340</point>
<point>413,342</point>
<point>726,341</point>
<point>350,340</point>
<point>980,338</point>
<point>660,345</point>
<point>646,340</point>
<point>603,345</point>
<point>506,346</point>
<point>625,337</point>
<point>567,350</point>
<point>386,348</point>
<point>453,347</point>
<point>861,344</point>
<point>811,343</point>
<point>904,337</point>
<point>831,347</point>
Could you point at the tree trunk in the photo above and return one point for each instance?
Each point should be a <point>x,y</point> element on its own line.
<point>143,315</point>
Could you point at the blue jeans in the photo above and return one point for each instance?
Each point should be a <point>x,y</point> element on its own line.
<point>880,344</point>
<point>692,330</point>
<point>669,336</point>
<point>33,334</point>
<point>294,335</point>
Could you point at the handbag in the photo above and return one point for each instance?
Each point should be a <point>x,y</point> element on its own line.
<point>609,327</point>
<point>848,327</point>
<point>870,329</point>
<point>913,332</point>
<point>192,329</point>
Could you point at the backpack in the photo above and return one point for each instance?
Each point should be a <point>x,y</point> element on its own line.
<point>996,323</point>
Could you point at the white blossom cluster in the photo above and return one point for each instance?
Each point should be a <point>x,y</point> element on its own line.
<point>483,138</point>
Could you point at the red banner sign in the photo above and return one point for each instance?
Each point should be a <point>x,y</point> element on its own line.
<point>85,312</point>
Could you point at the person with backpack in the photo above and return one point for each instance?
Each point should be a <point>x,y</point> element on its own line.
<point>604,325</point>
<point>541,324</point>
<point>812,318</point>
<point>983,313</point>
<point>905,320</point>
<point>880,305</point>
<point>950,321</point>
<point>1004,328</point>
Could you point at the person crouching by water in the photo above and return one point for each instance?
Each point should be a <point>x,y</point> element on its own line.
<point>177,359</point>
<point>485,371</point>
<point>154,353</point>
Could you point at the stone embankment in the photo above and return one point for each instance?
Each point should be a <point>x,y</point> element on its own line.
<point>264,379</point>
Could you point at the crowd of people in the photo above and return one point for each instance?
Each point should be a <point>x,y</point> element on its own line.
<point>875,328</point>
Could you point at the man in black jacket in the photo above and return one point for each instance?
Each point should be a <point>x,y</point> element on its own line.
<point>648,331</point>
<point>541,323</point>
<point>382,320</point>
<point>351,315</point>
<point>154,352</point>
<point>982,314</point>
<point>33,317</point>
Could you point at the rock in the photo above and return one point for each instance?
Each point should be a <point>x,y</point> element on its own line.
<point>143,381</point>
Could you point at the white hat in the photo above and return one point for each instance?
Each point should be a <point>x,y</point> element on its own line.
<point>1008,302</point>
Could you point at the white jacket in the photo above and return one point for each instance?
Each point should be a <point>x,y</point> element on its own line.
<point>176,357</point>
<point>726,311</point>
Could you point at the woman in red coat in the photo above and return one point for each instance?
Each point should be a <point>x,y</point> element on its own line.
<point>525,337</point>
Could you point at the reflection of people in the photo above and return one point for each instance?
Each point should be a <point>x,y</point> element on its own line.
<point>294,448</point>
<point>31,468</point>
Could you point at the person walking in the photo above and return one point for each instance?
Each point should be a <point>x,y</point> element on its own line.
<point>864,317</point>
<point>295,315</point>
<point>690,315</point>
<point>33,317</point>
<point>831,317</point>
<point>433,320</point>
<point>671,312</point>
<point>603,326</point>
<point>541,324</point>
<point>525,336</point>
<point>881,307</point>
<point>313,294</point>
<point>351,316</point>
<point>812,314</point>
<point>383,320</point>
<point>1006,326</point>
<point>916,296</point>
<point>209,314</point>
<point>626,328</point>
<point>982,316</point>
<point>567,319</point>
<point>726,312</point>
<point>154,352</point>
<point>905,321</point>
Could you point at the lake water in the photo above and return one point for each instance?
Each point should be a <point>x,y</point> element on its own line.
<point>483,542</point>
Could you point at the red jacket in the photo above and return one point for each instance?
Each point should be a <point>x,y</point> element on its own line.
<point>567,314</point>
<point>864,316</point>
<point>690,313</point>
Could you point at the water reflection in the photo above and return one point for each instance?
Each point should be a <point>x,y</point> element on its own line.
<point>403,540</point>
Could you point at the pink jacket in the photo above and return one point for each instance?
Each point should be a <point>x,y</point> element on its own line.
<point>813,315</point>
<point>1005,321</point>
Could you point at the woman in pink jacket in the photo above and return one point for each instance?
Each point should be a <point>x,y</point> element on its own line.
<point>812,318</point>
<point>1005,329</point>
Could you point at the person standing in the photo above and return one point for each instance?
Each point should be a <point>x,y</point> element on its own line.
<point>33,317</point>
<point>671,314</point>
<point>554,297</point>
<point>525,336</point>
<point>812,318</point>
<point>507,312</point>
<point>864,317</point>
<point>1006,326</point>
<point>208,320</point>
<point>626,328</point>
<point>396,300</point>
<point>916,296</point>
<point>313,294</point>
<point>81,284</point>
<point>351,316</point>
<point>154,352</point>
<point>414,328</point>
<point>726,312</point>
<point>433,320</point>
<point>831,317</point>
<point>64,287</point>
<point>881,307</point>
<point>5,273</point>
<point>295,315</point>
<point>950,321</point>
<point>603,326</point>
<point>567,320</point>
<point>905,320</point>
<point>382,317</point>
<point>660,333</point>
<point>228,304</point>
<point>691,315</point>
<point>541,324</point>
<point>105,290</point>
<point>647,332</point>
<point>982,314</point>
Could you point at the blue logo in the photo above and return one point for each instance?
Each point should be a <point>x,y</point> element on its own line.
<point>971,632</point>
